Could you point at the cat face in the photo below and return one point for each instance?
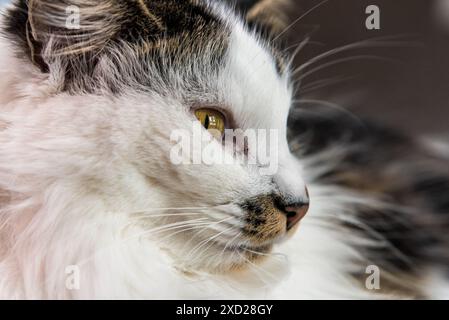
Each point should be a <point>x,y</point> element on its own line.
<point>118,86</point>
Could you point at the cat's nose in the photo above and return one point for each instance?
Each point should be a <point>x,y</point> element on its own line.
<point>295,212</point>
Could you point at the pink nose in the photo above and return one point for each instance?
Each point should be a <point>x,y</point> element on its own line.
<point>295,214</point>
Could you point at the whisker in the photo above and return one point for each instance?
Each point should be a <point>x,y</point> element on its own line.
<point>379,42</point>
<point>175,208</point>
<point>298,49</point>
<point>181,231</point>
<point>256,267</point>
<point>295,45</point>
<point>291,25</point>
<point>170,227</point>
<point>167,215</point>
<point>320,84</point>
<point>280,256</point>
<point>229,243</point>
<point>204,242</point>
<point>340,61</point>
<point>329,105</point>
<point>213,224</point>
<point>305,14</point>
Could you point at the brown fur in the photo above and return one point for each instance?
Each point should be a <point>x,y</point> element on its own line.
<point>270,14</point>
<point>264,220</point>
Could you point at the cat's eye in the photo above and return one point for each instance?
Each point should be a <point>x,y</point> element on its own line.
<point>212,120</point>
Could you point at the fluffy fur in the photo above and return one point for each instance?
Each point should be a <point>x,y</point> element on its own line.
<point>86,181</point>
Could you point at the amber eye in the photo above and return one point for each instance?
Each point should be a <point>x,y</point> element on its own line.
<point>212,120</point>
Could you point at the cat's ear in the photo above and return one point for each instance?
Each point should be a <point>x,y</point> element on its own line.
<point>65,28</point>
<point>268,16</point>
<point>46,28</point>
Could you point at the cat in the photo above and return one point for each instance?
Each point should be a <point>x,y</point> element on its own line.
<point>93,207</point>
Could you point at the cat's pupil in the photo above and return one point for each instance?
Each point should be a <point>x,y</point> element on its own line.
<point>207,122</point>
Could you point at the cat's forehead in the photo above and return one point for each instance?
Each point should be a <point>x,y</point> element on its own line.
<point>147,43</point>
<point>190,43</point>
<point>187,27</point>
<point>158,20</point>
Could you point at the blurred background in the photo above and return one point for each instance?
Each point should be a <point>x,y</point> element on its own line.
<point>404,84</point>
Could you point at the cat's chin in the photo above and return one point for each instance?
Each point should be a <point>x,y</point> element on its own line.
<point>236,259</point>
<point>222,258</point>
<point>250,257</point>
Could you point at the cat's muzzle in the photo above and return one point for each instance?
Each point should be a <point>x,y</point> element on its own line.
<point>270,217</point>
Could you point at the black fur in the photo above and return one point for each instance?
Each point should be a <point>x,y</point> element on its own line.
<point>16,27</point>
<point>177,18</point>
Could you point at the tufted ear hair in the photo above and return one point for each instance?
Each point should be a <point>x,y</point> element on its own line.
<point>69,29</point>
<point>268,16</point>
<point>45,28</point>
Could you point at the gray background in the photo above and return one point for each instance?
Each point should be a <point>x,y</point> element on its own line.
<point>411,94</point>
